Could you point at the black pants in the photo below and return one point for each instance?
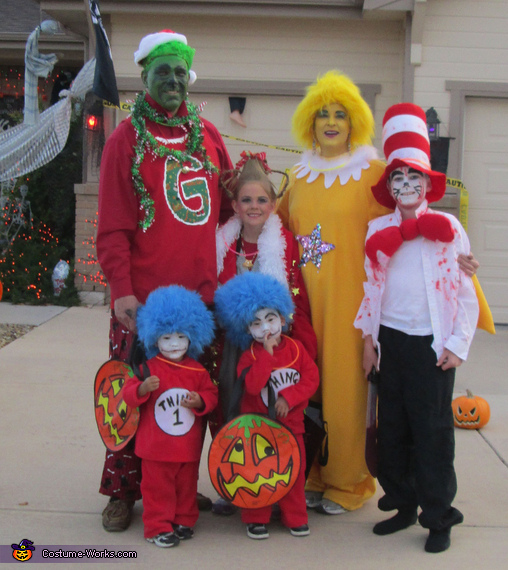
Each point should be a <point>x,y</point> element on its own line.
<point>415,432</point>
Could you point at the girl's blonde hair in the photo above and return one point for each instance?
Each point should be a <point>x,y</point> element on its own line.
<point>333,87</point>
<point>251,168</point>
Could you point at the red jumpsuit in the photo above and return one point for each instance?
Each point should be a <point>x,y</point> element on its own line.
<point>290,354</point>
<point>169,441</point>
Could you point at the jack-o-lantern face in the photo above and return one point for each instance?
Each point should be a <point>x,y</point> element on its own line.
<point>22,555</point>
<point>23,550</point>
<point>470,412</point>
<point>117,422</point>
<point>253,461</point>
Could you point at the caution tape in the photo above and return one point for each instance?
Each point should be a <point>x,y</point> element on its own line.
<point>127,107</point>
<point>124,106</point>
<point>463,200</point>
<point>285,149</point>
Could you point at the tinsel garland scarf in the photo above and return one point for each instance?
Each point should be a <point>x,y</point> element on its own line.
<point>190,123</point>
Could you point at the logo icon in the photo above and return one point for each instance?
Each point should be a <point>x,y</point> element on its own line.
<point>23,550</point>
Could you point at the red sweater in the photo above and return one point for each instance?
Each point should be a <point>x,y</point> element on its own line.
<point>290,370</point>
<point>179,247</point>
<point>167,431</point>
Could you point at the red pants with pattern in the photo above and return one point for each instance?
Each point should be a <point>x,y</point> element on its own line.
<point>169,495</point>
<point>293,506</point>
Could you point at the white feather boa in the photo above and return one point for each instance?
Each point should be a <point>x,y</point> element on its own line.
<point>271,246</point>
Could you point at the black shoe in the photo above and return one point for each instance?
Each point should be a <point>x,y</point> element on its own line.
<point>183,532</point>
<point>300,530</point>
<point>223,508</point>
<point>386,504</point>
<point>276,512</point>
<point>438,540</point>
<point>257,531</point>
<point>165,540</point>
<point>204,503</point>
<point>400,521</point>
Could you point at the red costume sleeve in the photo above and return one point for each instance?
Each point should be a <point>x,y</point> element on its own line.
<point>259,373</point>
<point>226,209</point>
<point>208,392</point>
<point>301,392</point>
<point>301,329</point>
<point>130,393</point>
<point>118,210</point>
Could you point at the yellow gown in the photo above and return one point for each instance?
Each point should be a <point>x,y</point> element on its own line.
<point>335,292</point>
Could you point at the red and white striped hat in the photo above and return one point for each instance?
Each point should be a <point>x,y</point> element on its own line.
<point>406,143</point>
<point>151,41</point>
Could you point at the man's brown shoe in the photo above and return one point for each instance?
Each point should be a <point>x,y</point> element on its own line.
<point>117,515</point>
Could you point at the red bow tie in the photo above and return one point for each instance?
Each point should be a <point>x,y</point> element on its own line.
<point>431,226</point>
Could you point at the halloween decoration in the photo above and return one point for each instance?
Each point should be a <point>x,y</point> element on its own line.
<point>23,551</point>
<point>116,421</point>
<point>470,411</point>
<point>253,461</point>
<point>60,273</point>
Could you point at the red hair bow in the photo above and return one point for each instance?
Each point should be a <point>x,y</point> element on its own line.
<point>248,155</point>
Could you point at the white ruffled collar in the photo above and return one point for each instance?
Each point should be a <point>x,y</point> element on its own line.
<point>344,167</point>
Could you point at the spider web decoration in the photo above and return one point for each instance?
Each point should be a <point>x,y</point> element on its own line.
<point>24,148</point>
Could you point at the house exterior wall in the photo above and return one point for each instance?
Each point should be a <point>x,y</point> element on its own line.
<point>279,49</point>
<point>464,40</point>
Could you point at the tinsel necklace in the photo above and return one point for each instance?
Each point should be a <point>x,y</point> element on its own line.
<point>145,141</point>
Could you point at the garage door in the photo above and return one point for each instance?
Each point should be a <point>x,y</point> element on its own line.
<point>268,121</point>
<point>485,174</point>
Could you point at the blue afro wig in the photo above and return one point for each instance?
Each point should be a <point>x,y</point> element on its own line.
<point>238,301</point>
<point>175,309</point>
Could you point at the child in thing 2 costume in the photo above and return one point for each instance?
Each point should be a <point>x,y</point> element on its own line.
<point>418,317</point>
<point>257,306</point>
<point>174,326</point>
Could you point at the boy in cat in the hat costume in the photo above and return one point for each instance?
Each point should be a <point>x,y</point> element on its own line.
<point>418,317</point>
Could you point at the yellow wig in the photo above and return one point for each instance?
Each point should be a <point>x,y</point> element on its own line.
<point>334,87</point>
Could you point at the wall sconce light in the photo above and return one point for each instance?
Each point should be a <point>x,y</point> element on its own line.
<point>92,122</point>
<point>432,124</point>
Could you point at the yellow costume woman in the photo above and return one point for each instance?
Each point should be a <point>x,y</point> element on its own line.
<point>329,201</point>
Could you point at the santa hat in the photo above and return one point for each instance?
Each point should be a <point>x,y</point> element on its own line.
<point>152,41</point>
<point>238,301</point>
<point>175,309</point>
<point>406,143</point>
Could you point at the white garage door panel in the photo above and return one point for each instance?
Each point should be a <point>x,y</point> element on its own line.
<point>486,178</point>
<point>486,122</point>
<point>493,177</point>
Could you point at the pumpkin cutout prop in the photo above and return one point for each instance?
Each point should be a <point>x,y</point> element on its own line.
<point>470,412</point>
<point>117,422</point>
<point>253,461</point>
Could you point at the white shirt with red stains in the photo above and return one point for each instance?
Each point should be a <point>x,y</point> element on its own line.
<point>451,297</point>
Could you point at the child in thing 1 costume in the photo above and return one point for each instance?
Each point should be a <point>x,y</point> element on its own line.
<point>174,326</point>
<point>254,308</point>
<point>418,317</point>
